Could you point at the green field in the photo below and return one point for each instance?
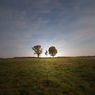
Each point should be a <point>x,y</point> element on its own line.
<point>47,76</point>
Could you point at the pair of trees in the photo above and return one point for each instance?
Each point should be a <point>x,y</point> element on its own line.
<point>38,50</point>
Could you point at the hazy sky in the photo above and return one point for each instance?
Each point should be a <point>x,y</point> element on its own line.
<point>69,25</point>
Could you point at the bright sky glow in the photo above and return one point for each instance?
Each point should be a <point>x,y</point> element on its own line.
<point>69,25</point>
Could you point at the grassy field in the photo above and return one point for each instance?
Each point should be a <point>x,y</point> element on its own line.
<point>47,76</point>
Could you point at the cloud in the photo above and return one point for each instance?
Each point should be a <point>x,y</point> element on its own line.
<point>68,25</point>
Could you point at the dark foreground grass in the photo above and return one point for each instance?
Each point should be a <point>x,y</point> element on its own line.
<point>47,76</point>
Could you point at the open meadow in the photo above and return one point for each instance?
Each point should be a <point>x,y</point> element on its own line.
<point>47,76</point>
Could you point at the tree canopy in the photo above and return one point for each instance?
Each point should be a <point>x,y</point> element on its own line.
<point>52,51</point>
<point>37,50</point>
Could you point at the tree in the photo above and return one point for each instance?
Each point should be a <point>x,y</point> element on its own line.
<point>46,53</point>
<point>52,51</point>
<point>37,50</point>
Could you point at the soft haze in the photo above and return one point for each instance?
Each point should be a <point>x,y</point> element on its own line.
<point>69,25</point>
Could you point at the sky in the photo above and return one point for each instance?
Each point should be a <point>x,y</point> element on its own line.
<point>69,25</point>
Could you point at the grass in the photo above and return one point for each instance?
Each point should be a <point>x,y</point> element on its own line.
<point>47,76</point>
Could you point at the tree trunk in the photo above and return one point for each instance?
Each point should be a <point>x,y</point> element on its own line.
<point>38,55</point>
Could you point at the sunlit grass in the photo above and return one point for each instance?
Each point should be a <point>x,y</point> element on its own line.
<point>47,76</point>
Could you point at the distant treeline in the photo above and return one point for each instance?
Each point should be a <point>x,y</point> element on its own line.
<point>73,56</point>
<point>51,57</point>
